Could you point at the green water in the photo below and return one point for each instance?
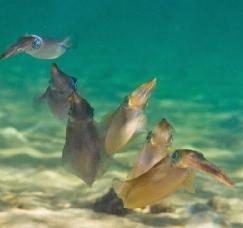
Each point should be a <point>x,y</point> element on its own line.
<point>193,48</point>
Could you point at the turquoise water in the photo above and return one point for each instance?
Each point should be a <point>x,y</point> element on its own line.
<point>193,48</point>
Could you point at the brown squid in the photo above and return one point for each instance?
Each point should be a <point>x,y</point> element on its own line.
<point>82,150</point>
<point>61,86</point>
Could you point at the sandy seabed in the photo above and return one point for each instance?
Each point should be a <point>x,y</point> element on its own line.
<point>37,192</point>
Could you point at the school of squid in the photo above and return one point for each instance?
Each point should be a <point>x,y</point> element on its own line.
<point>157,172</point>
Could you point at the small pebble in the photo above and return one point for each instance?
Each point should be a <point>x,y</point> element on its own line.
<point>110,204</point>
<point>198,207</point>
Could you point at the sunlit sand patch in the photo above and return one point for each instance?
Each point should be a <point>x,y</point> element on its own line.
<point>43,218</point>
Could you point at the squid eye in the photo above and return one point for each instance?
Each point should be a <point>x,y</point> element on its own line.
<point>36,43</point>
<point>73,83</point>
<point>149,136</point>
<point>175,157</point>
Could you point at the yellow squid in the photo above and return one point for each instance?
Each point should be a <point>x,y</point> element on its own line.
<point>155,148</point>
<point>119,127</point>
<point>164,178</point>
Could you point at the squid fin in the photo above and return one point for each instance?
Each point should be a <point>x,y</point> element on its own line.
<point>141,125</point>
<point>70,42</point>
<point>37,100</point>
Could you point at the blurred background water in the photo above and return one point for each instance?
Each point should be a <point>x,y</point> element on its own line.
<point>193,48</point>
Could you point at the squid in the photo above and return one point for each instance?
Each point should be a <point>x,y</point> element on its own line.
<point>121,125</point>
<point>172,172</point>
